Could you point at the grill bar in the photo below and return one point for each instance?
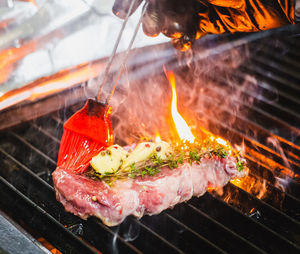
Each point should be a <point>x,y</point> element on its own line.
<point>35,149</point>
<point>282,115</point>
<point>253,230</point>
<point>187,240</point>
<point>43,196</point>
<point>239,137</point>
<point>222,236</point>
<point>289,64</point>
<point>147,246</point>
<point>251,141</point>
<point>282,96</point>
<point>263,171</point>
<point>286,228</point>
<point>25,209</point>
<point>269,99</point>
<point>274,78</point>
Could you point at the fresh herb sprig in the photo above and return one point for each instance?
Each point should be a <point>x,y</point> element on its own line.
<point>182,152</point>
<point>240,163</point>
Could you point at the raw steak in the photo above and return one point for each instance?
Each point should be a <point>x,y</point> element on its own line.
<point>84,196</point>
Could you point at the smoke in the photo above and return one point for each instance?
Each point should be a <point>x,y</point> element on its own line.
<point>114,241</point>
<point>282,181</point>
<point>129,230</point>
<point>140,109</point>
<point>207,91</point>
<point>216,91</point>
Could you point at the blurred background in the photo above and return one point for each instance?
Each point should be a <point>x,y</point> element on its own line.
<point>39,38</point>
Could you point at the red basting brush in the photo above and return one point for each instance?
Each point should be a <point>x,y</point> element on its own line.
<point>86,133</point>
<point>89,130</point>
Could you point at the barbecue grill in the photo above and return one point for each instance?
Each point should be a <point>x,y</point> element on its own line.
<point>258,215</point>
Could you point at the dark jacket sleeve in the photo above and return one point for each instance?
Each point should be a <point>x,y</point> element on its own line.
<point>245,15</point>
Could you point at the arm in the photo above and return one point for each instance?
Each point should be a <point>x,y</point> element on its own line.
<point>184,21</point>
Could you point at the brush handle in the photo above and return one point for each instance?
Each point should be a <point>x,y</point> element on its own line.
<point>106,72</point>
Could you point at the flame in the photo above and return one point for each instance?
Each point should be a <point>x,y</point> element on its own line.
<point>182,128</point>
<point>210,189</point>
<point>249,183</point>
<point>157,138</point>
<point>221,141</point>
<point>224,143</point>
<point>252,185</point>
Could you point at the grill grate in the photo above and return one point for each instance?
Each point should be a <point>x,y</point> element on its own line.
<point>230,222</point>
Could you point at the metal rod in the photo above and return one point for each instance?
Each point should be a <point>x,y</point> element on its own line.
<point>126,54</point>
<point>110,60</point>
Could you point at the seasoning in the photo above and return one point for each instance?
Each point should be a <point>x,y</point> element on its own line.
<point>178,155</point>
<point>102,153</point>
<point>108,152</point>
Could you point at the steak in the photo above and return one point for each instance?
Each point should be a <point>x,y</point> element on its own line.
<point>85,196</point>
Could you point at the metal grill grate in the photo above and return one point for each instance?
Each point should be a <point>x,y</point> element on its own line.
<point>234,221</point>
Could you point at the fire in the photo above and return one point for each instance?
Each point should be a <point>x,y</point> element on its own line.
<point>157,138</point>
<point>224,143</point>
<point>221,141</point>
<point>182,128</point>
<point>248,183</point>
<point>252,185</point>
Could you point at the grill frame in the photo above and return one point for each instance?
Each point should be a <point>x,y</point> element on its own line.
<point>222,226</point>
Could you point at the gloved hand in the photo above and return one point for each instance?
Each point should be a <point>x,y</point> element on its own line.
<point>184,21</point>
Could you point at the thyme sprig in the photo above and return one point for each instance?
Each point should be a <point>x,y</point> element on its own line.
<point>240,163</point>
<point>182,152</point>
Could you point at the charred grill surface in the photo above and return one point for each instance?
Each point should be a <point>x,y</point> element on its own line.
<point>236,220</point>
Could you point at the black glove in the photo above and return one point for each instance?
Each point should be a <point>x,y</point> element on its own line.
<point>185,21</point>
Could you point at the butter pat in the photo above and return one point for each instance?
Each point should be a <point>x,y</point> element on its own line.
<point>142,152</point>
<point>115,157</point>
<point>163,149</point>
<point>109,160</point>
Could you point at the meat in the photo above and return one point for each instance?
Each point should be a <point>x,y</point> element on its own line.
<point>85,196</point>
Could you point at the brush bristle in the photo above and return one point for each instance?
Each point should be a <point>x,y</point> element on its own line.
<point>86,133</point>
<point>76,151</point>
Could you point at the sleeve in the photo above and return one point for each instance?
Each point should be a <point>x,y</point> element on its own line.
<point>246,15</point>
<point>297,11</point>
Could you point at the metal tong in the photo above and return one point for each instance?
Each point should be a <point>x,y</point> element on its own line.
<point>113,85</point>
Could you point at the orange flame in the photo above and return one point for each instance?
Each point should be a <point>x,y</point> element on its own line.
<point>248,183</point>
<point>182,128</point>
<point>157,138</point>
<point>221,141</point>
